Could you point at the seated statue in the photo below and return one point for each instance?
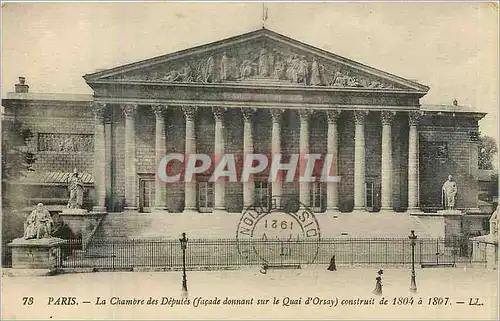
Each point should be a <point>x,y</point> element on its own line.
<point>38,224</point>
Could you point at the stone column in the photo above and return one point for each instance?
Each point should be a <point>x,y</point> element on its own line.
<point>386,170</point>
<point>219,185</point>
<point>332,188</point>
<point>248,186</point>
<point>99,158</point>
<point>304,187</point>
<point>276,186</point>
<point>129,110</point>
<point>190,187</point>
<point>413,164</point>
<point>359,160</point>
<point>160,203</point>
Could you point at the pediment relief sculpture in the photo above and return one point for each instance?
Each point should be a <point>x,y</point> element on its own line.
<point>265,63</point>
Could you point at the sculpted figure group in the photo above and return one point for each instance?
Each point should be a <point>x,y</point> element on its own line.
<point>265,63</point>
<point>39,223</point>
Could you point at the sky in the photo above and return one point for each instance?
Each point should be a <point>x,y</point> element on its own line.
<point>450,47</point>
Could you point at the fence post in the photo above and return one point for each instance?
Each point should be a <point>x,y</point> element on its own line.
<point>352,252</point>
<point>420,252</point>
<point>437,251</point>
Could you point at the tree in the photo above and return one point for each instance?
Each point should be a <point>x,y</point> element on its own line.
<point>16,162</point>
<point>487,151</point>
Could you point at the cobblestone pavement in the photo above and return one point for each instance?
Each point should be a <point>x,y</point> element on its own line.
<point>333,295</point>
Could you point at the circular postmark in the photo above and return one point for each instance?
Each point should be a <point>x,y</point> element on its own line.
<point>279,231</point>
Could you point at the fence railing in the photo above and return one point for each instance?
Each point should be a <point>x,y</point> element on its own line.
<point>167,253</point>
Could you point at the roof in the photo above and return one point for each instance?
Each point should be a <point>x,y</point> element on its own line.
<point>451,109</point>
<point>253,36</point>
<point>49,96</point>
<point>53,178</point>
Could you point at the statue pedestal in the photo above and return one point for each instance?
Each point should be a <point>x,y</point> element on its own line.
<point>82,222</point>
<point>36,253</point>
<point>443,224</point>
<point>450,212</point>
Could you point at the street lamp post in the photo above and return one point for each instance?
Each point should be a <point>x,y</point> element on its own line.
<point>413,285</point>
<point>184,241</point>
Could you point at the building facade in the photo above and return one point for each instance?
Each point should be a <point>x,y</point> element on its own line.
<point>259,92</point>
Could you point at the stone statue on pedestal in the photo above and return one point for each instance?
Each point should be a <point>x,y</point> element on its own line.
<point>448,193</point>
<point>75,186</point>
<point>494,224</point>
<point>39,224</point>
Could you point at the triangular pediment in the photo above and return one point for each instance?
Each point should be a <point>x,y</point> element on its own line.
<point>261,57</point>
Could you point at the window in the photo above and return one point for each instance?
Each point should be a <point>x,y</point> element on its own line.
<point>146,194</point>
<point>262,194</point>
<point>369,196</point>
<point>316,197</point>
<point>205,196</point>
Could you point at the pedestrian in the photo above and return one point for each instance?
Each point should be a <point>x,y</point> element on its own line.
<point>378,284</point>
<point>332,266</point>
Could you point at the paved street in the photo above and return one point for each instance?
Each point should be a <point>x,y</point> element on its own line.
<point>456,284</point>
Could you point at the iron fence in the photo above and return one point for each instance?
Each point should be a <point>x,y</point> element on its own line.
<point>167,253</point>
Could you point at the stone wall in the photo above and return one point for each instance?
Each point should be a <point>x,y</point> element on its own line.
<point>446,149</point>
<point>61,126</point>
<point>449,137</point>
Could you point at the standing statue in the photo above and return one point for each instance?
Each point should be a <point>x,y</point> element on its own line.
<point>38,224</point>
<point>224,67</point>
<point>272,61</point>
<point>279,67</point>
<point>315,73</point>
<point>494,224</point>
<point>303,71</point>
<point>263,63</point>
<point>75,186</point>
<point>210,70</point>
<point>449,191</point>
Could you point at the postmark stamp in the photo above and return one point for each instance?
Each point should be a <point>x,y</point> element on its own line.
<point>279,231</point>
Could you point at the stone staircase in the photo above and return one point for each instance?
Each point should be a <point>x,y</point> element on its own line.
<point>126,240</point>
<point>224,225</point>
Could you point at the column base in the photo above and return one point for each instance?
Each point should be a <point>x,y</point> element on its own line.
<point>190,209</point>
<point>130,209</point>
<point>99,209</point>
<point>220,211</point>
<point>160,209</point>
<point>334,211</point>
<point>387,209</point>
<point>413,210</point>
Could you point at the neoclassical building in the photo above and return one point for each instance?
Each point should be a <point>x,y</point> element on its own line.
<point>258,92</point>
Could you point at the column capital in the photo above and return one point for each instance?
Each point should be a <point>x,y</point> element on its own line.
<point>189,112</point>
<point>159,109</point>
<point>276,114</point>
<point>98,108</point>
<point>414,117</point>
<point>360,116</point>
<point>387,116</point>
<point>129,110</point>
<point>218,113</point>
<point>248,113</point>
<point>333,115</point>
<point>304,114</point>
